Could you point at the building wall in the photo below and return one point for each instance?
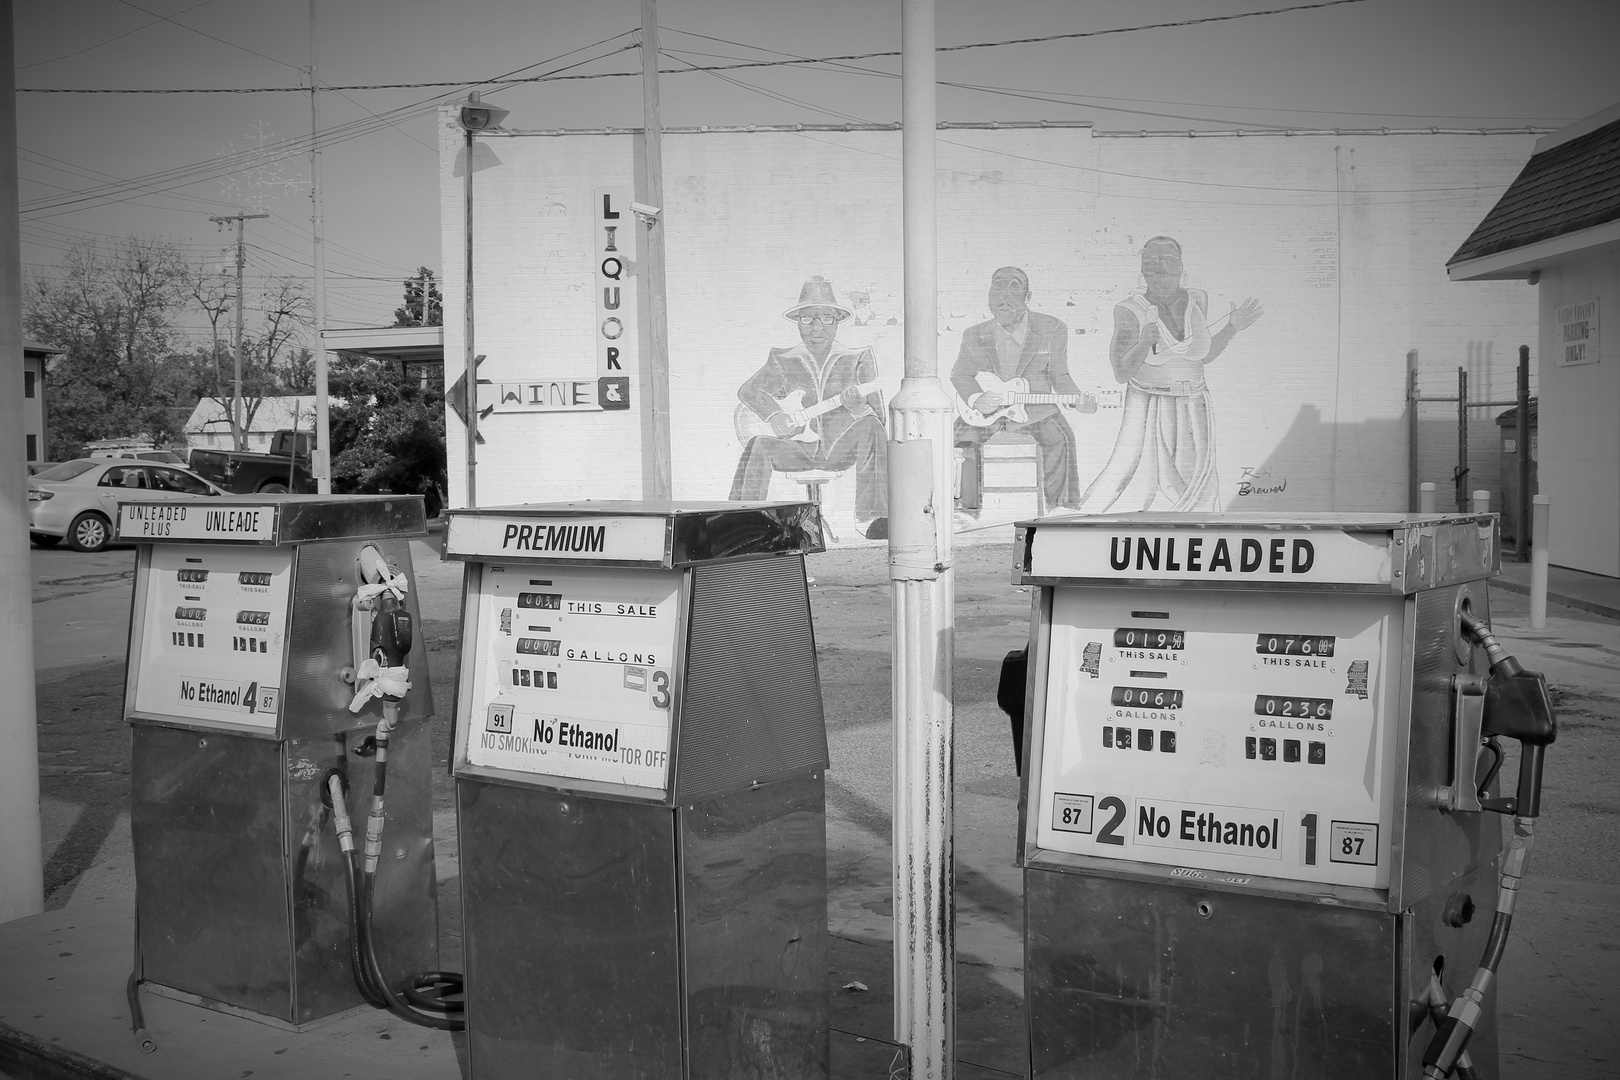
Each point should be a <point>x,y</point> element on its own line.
<point>1342,239</point>
<point>33,390</point>
<point>1580,440</point>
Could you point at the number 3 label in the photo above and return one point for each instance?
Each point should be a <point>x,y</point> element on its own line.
<point>660,690</point>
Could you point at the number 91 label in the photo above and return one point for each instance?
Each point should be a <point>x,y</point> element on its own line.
<point>1071,813</point>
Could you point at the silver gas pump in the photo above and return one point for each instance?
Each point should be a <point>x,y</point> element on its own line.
<point>1259,758</point>
<point>260,631</point>
<point>639,760</point>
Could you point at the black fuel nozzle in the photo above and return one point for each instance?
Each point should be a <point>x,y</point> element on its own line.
<point>390,631</point>
<point>1519,706</point>
<point>1010,692</point>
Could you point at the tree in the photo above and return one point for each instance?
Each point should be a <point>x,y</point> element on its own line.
<point>387,432</point>
<point>111,311</point>
<point>272,362</point>
<point>412,313</point>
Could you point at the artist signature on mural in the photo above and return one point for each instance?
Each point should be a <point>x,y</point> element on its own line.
<point>1260,481</point>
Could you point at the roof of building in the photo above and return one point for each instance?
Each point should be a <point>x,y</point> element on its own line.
<point>407,344</point>
<point>1511,416</point>
<point>294,412</point>
<point>1570,184</point>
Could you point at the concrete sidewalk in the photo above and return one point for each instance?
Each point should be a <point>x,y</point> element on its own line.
<point>63,1014</point>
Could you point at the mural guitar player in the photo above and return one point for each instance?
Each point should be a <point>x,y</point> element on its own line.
<point>814,407</point>
<point>1012,374</point>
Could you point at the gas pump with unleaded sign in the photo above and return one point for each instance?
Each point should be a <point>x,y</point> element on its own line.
<point>1256,820</point>
<point>269,636</point>
<point>639,759</point>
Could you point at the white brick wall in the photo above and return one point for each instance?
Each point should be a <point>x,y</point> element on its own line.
<point>1343,239</point>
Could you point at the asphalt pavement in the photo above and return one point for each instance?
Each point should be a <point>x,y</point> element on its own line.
<point>62,1001</point>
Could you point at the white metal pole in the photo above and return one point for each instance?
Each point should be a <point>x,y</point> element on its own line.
<point>238,426</point>
<point>22,868</point>
<point>1425,498</point>
<point>1541,515</point>
<point>321,460</point>
<point>660,484</point>
<point>469,359</point>
<point>1482,501</point>
<point>924,601</point>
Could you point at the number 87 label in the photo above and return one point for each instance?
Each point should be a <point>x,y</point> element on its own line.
<point>1353,842</point>
<point>1071,813</point>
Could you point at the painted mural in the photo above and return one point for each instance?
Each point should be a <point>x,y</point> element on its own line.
<point>1012,375</point>
<point>813,411</point>
<point>1099,317</point>
<point>1164,455</point>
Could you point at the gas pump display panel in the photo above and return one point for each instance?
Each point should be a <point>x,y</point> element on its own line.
<point>574,673</point>
<point>214,635</point>
<point>1233,734</point>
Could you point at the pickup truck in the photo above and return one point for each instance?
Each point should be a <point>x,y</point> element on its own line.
<point>285,468</point>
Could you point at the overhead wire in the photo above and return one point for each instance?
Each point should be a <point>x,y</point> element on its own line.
<point>196,172</point>
<point>116,37</point>
<point>1075,35</point>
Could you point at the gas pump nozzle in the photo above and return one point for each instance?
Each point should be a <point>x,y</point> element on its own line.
<point>391,632</point>
<point>1518,706</point>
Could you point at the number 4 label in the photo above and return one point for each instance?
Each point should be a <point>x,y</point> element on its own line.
<point>1354,842</point>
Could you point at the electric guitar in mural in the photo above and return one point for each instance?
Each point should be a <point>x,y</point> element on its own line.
<point>801,416</point>
<point>1014,396</point>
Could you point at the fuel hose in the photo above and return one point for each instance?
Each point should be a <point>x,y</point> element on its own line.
<point>1517,705</point>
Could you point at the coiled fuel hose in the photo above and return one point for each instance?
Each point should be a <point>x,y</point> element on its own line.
<point>1516,705</point>
<point>432,998</point>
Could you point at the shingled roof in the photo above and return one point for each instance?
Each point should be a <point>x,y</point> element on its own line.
<point>1568,187</point>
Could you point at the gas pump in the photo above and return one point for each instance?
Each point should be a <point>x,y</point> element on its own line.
<point>1258,820</point>
<point>268,637</point>
<point>639,759</point>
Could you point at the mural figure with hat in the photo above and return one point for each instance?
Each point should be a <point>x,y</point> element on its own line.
<point>815,406</point>
<point>1164,455</point>
<point>1012,374</point>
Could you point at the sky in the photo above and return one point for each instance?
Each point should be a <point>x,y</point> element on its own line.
<point>97,167</point>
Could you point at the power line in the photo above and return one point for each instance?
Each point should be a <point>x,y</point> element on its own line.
<point>197,172</point>
<point>798,61</point>
<point>457,83</point>
<point>109,41</point>
<point>210,37</point>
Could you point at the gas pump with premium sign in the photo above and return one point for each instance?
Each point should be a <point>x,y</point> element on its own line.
<point>268,634</point>
<point>1259,757</point>
<point>639,759</point>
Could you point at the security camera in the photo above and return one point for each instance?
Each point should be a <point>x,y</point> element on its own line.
<point>475,115</point>
<point>646,213</point>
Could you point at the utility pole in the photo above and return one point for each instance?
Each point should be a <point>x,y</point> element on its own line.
<point>923,590</point>
<point>22,867</point>
<point>662,486</point>
<point>238,435</point>
<point>320,460</point>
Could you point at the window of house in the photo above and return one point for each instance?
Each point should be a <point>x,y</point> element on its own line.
<point>28,384</point>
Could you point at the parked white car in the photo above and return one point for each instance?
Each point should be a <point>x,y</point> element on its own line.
<point>78,500</point>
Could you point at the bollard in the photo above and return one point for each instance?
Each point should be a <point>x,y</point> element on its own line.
<point>1482,501</point>
<point>1425,498</point>
<point>1539,517</point>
